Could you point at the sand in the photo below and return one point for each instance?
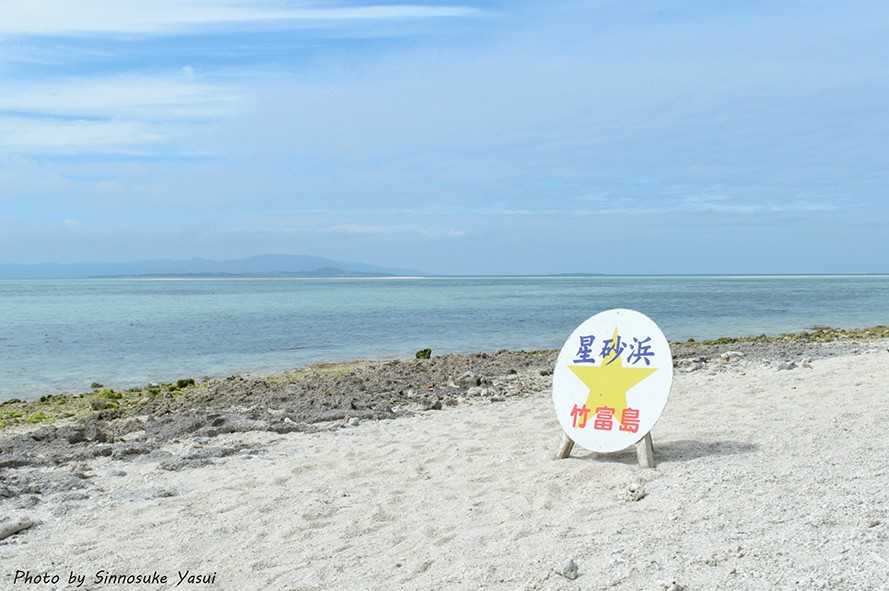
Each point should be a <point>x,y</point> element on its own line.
<point>766,478</point>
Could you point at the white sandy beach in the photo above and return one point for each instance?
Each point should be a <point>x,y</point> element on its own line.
<point>765,479</point>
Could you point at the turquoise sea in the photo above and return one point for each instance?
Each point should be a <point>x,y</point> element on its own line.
<point>63,335</point>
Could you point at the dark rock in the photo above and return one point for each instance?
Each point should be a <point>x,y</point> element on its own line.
<point>468,380</point>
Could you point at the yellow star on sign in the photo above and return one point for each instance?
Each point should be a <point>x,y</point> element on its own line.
<point>610,381</point>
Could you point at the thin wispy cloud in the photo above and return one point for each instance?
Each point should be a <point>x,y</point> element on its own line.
<point>123,113</point>
<point>76,136</point>
<point>395,230</point>
<point>169,96</point>
<point>73,17</point>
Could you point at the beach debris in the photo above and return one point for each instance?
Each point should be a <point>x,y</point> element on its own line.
<point>14,526</point>
<point>567,569</point>
<point>424,354</point>
<point>354,422</point>
<point>634,491</point>
<point>732,356</point>
<point>670,585</point>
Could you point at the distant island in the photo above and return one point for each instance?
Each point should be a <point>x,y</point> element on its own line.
<point>270,265</point>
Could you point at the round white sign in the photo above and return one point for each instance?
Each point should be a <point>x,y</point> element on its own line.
<point>612,380</point>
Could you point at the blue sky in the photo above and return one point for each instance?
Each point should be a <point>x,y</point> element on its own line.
<point>451,137</point>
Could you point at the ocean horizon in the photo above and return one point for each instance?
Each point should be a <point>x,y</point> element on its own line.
<point>62,335</point>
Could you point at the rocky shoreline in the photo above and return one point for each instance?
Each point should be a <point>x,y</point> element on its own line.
<point>323,397</point>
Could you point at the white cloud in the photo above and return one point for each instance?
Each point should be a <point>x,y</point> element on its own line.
<point>131,95</point>
<point>394,230</point>
<point>60,17</point>
<point>125,113</point>
<point>659,204</point>
<point>23,177</point>
<point>74,136</point>
<point>766,208</point>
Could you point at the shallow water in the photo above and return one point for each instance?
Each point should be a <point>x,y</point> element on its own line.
<point>62,335</point>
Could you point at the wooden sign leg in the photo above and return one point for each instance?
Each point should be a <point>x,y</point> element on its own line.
<point>565,448</point>
<point>645,452</point>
